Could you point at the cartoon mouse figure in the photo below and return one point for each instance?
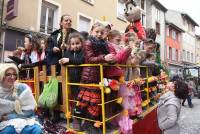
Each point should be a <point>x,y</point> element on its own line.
<point>133,15</point>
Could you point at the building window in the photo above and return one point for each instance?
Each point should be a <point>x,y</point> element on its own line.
<point>177,55</point>
<point>143,4</point>
<point>173,54</point>
<point>184,22</point>
<point>120,10</point>
<point>143,19</point>
<point>184,55</point>
<point>192,57</point>
<point>158,28</point>
<point>179,37</point>
<point>167,53</point>
<point>89,1</point>
<point>170,53</point>
<point>174,36</point>
<point>197,59</point>
<point>84,22</point>
<point>188,56</point>
<point>193,29</point>
<point>48,15</point>
<point>157,14</point>
<point>167,31</point>
<point>190,27</point>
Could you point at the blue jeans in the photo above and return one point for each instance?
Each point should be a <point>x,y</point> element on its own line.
<point>8,130</point>
<point>189,100</point>
<point>34,129</point>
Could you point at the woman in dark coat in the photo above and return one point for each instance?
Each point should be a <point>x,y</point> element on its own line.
<point>57,42</point>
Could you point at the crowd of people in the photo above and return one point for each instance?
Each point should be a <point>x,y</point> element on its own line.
<point>101,45</point>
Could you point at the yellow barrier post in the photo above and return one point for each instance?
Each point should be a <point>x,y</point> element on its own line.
<point>147,76</point>
<point>67,97</point>
<point>102,100</point>
<point>36,83</point>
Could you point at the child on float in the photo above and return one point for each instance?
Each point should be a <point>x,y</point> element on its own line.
<point>120,54</point>
<point>115,73</point>
<point>40,51</point>
<point>115,47</point>
<point>43,47</point>
<point>28,55</point>
<point>95,51</point>
<point>74,55</point>
<point>31,43</point>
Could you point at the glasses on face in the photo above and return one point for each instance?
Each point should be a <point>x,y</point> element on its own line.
<point>11,75</point>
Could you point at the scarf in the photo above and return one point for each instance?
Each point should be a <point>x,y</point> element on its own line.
<point>100,46</point>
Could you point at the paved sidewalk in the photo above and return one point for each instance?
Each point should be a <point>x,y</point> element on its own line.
<point>190,118</point>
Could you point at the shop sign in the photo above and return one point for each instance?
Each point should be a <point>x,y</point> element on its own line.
<point>12,9</point>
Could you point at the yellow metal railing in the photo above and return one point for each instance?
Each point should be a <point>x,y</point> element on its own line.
<point>64,79</point>
<point>101,86</point>
<point>31,80</point>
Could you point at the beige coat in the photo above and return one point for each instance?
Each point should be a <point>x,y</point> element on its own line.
<point>168,112</point>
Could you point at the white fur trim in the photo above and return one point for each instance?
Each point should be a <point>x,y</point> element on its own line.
<point>4,67</point>
<point>27,100</point>
<point>6,106</point>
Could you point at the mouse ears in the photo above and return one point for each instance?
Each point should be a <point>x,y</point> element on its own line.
<point>128,2</point>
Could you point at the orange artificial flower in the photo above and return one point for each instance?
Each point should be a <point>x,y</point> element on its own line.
<point>97,124</point>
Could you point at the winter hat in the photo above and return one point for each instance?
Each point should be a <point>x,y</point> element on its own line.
<point>4,67</point>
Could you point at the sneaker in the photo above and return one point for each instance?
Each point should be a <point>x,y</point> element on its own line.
<point>191,106</point>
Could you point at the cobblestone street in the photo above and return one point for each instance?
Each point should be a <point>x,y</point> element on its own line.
<point>190,118</point>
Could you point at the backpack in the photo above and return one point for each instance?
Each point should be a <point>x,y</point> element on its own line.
<point>49,96</point>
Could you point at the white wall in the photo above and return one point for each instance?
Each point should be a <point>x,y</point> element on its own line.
<point>188,38</point>
<point>160,38</point>
<point>188,42</point>
<point>197,44</point>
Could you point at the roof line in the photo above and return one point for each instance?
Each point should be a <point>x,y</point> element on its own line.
<point>157,3</point>
<point>189,18</point>
<point>185,15</point>
<point>175,26</point>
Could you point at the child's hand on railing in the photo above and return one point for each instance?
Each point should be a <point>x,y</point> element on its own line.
<point>63,61</point>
